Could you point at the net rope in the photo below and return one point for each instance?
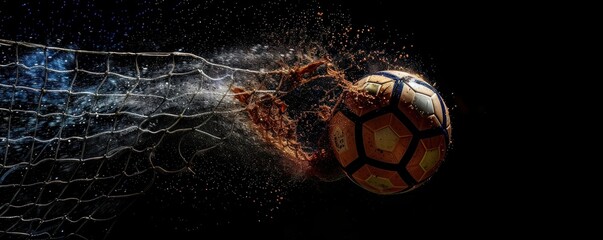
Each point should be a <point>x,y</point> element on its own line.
<point>80,131</point>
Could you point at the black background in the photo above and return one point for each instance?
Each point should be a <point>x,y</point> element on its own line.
<point>459,48</point>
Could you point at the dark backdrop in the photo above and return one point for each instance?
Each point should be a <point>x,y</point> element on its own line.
<point>457,47</point>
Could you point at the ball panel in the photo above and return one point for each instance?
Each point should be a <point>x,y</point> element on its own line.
<point>417,119</point>
<point>385,138</point>
<point>379,180</point>
<point>434,120</point>
<point>343,139</point>
<point>438,108</point>
<point>407,96</point>
<point>427,157</point>
<point>372,88</point>
<point>423,104</point>
<point>448,122</point>
<point>421,86</point>
<point>379,88</point>
<point>383,80</point>
<point>430,158</point>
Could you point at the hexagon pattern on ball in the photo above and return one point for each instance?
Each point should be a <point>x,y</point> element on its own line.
<point>405,129</point>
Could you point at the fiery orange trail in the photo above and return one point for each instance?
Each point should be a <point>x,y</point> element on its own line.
<point>270,117</point>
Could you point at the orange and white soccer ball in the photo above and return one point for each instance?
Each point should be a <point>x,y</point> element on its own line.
<point>392,133</point>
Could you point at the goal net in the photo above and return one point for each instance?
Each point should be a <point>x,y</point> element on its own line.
<point>81,131</point>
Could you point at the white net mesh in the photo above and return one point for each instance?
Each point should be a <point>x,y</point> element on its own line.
<point>80,130</point>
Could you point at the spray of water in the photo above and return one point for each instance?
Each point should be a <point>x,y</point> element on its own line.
<point>112,121</point>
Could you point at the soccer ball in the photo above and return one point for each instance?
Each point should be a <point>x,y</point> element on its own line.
<point>392,132</point>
